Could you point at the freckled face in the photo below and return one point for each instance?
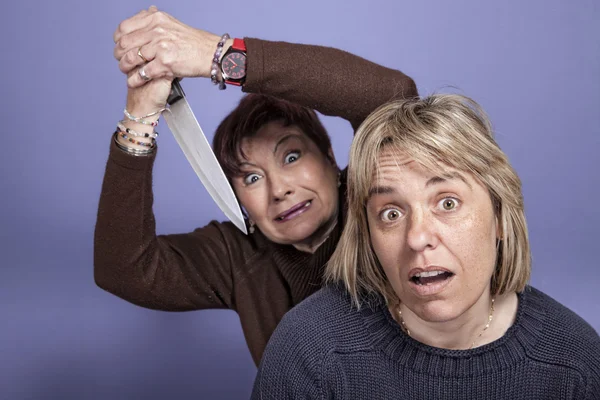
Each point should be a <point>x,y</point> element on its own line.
<point>434,235</point>
<point>287,186</point>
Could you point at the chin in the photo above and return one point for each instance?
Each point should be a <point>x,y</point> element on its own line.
<point>303,232</point>
<point>296,234</point>
<point>437,311</point>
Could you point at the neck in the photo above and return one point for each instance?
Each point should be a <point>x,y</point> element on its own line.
<point>464,332</point>
<point>312,243</point>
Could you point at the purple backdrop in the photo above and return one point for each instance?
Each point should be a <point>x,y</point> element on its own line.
<point>534,66</point>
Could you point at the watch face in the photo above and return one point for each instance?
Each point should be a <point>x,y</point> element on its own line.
<point>234,65</point>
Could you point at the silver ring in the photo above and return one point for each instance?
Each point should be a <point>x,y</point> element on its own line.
<point>142,73</point>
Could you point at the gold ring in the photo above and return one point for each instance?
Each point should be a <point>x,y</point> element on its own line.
<point>141,55</point>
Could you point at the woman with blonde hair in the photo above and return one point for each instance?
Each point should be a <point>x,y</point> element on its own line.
<point>429,296</point>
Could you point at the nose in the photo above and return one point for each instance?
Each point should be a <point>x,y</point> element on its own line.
<point>280,188</point>
<point>421,234</point>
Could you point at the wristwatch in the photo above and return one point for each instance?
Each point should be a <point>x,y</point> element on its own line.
<point>233,63</point>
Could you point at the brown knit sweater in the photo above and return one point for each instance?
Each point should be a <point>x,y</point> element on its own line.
<point>217,266</point>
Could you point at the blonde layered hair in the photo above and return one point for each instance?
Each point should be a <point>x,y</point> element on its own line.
<point>439,131</point>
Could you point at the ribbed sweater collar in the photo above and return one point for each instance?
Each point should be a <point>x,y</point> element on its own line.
<point>387,336</point>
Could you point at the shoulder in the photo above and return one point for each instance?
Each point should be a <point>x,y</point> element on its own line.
<point>298,353</point>
<point>559,318</point>
<point>324,322</point>
<point>565,338</point>
<point>330,307</point>
<point>321,313</point>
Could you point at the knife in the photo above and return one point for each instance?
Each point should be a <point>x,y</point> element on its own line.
<point>190,137</point>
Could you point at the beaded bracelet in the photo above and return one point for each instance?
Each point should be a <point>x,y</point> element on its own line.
<point>215,62</point>
<point>132,140</point>
<point>141,119</point>
<point>123,128</point>
<point>131,150</point>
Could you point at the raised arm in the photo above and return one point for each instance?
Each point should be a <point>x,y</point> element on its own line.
<point>331,81</point>
<point>168,272</point>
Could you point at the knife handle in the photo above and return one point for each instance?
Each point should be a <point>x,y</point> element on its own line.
<point>176,92</point>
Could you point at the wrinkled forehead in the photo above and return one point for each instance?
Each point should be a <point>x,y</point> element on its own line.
<point>396,167</point>
<point>392,162</point>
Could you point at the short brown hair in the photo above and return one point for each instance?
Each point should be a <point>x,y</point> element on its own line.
<point>252,113</point>
<point>436,131</point>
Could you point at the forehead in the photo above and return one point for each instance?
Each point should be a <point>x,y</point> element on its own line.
<point>269,135</point>
<point>396,165</point>
<point>396,168</point>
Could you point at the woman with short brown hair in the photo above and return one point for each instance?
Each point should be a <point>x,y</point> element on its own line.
<point>275,152</point>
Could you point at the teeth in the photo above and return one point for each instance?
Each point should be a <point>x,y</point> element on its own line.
<point>428,274</point>
<point>304,206</point>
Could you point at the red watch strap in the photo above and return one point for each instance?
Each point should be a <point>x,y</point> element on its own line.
<point>239,44</point>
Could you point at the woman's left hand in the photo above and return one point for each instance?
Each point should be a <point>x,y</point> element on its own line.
<point>171,48</point>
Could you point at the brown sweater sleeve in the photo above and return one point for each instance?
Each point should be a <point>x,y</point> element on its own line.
<point>331,81</point>
<point>166,272</point>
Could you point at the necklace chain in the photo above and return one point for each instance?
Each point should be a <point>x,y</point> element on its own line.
<point>487,325</point>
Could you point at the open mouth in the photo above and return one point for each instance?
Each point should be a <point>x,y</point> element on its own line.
<point>294,211</point>
<point>430,277</point>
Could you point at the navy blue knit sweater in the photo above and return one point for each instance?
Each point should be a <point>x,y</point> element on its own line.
<point>326,349</point>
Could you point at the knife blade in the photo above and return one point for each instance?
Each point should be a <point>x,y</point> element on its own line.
<point>189,135</point>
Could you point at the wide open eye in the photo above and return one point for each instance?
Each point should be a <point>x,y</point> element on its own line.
<point>251,178</point>
<point>291,157</point>
<point>390,214</point>
<point>449,203</point>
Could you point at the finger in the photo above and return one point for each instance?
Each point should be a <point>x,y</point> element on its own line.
<point>133,41</point>
<point>139,56</point>
<point>152,70</point>
<point>132,59</point>
<point>134,23</point>
<point>118,32</point>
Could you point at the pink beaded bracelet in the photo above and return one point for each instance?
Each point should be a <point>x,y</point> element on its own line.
<point>215,62</point>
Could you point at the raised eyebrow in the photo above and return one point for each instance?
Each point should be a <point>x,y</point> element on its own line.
<point>245,168</point>
<point>374,190</point>
<point>283,140</point>
<point>446,177</point>
<point>246,164</point>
